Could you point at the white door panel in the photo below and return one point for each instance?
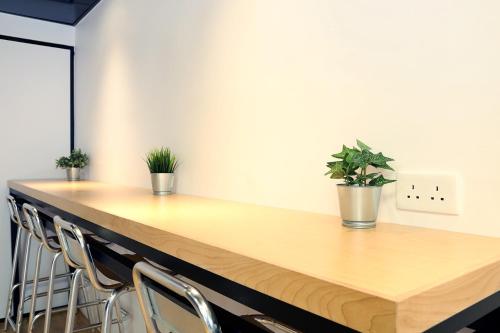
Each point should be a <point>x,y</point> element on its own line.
<point>34,126</point>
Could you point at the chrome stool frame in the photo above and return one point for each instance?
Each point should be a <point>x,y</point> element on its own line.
<point>25,226</point>
<point>40,234</point>
<point>21,230</point>
<point>83,263</point>
<point>193,295</point>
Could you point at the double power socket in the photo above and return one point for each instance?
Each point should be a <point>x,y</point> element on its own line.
<point>434,193</point>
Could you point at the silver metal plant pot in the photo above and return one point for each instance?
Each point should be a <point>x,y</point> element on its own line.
<point>163,183</point>
<point>359,205</point>
<point>73,174</point>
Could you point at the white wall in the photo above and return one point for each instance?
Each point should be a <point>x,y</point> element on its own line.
<point>24,27</point>
<point>254,96</point>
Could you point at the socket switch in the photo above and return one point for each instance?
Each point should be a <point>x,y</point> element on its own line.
<point>433,193</point>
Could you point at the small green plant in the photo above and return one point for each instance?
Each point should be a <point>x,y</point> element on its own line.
<point>353,163</point>
<point>76,159</point>
<point>161,160</point>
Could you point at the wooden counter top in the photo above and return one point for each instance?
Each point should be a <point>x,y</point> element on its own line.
<point>392,278</point>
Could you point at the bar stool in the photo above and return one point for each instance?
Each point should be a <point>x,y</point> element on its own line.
<point>22,230</point>
<point>148,305</point>
<point>77,254</point>
<point>39,232</point>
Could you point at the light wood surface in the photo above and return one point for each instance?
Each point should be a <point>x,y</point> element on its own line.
<point>392,278</point>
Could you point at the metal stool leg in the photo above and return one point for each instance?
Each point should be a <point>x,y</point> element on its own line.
<point>97,308</point>
<point>109,306</point>
<point>85,299</point>
<point>9,308</point>
<point>50,293</point>
<point>72,303</point>
<point>20,308</point>
<point>35,287</point>
<point>119,316</point>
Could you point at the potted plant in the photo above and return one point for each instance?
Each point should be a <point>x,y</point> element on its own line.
<point>359,195</point>
<point>73,163</point>
<point>162,164</point>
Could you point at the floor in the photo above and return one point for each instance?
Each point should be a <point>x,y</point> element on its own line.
<point>57,325</point>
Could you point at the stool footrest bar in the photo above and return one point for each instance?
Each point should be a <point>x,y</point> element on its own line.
<point>44,279</point>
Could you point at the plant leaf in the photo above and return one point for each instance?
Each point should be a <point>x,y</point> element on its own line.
<point>349,180</point>
<point>161,160</point>
<point>362,146</point>
<point>343,153</point>
<point>76,159</point>
<point>380,181</point>
<point>336,170</point>
<point>353,163</point>
<point>380,161</point>
<point>362,159</point>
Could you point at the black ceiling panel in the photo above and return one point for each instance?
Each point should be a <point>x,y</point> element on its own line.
<point>68,12</point>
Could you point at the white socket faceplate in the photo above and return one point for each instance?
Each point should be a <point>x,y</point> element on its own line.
<point>427,192</point>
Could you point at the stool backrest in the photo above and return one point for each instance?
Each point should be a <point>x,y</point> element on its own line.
<point>37,228</point>
<point>76,250</point>
<point>193,295</point>
<point>14,212</point>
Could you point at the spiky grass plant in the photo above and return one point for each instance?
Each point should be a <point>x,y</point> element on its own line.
<point>161,160</point>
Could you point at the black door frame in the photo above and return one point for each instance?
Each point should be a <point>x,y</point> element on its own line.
<point>71,77</point>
